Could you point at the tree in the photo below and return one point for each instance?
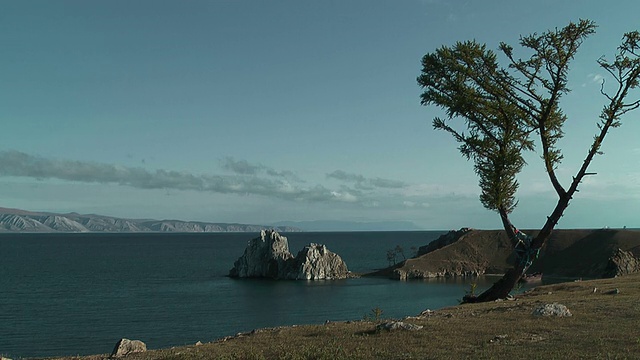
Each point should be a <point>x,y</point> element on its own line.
<point>391,257</point>
<point>399,250</point>
<point>505,109</point>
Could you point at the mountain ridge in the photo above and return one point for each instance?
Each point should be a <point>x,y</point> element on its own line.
<point>17,220</point>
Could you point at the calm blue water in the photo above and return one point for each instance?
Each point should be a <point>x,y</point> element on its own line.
<point>69,294</point>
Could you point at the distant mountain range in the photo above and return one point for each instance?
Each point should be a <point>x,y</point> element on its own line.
<point>335,225</point>
<point>15,220</point>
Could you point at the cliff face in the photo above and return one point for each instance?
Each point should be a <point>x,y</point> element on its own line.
<point>268,256</point>
<point>315,262</point>
<point>13,220</point>
<point>265,256</point>
<point>568,253</point>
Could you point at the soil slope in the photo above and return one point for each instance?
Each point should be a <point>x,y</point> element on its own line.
<point>568,253</point>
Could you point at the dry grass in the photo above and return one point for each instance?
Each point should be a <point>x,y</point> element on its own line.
<point>571,253</point>
<point>603,326</point>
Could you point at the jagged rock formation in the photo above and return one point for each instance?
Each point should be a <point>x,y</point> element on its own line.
<point>315,262</point>
<point>13,220</point>
<point>265,256</point>
<point>268,256</point>
<point>125,347</point>
<point>622,263</point>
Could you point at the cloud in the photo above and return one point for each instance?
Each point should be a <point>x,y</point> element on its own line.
<point>243,167</point>
<point>239,166</point>
<point>366,183</point>
<point>597,78</point>
<point>247,180</point>
<point>412,204</point>
<point>594,78</point>
<point>14,163</point>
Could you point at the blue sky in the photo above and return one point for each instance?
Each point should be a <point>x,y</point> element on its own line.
<point>263,111</point>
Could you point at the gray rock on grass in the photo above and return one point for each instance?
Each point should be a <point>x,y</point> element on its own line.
<point>125,347</point>
<point>398,325</point>
<point>554,309</point>
<point>621,263</point>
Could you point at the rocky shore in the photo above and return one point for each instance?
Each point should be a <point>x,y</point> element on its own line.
<point>595,319</point>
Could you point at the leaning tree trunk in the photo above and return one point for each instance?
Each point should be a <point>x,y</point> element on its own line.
<point>501,288</point>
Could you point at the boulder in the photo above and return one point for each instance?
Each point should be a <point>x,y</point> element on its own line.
<point>621,263</point>
<point>268,256</point>
<point>398,325</point>
<point>125,347</point>
<point>554,309</point>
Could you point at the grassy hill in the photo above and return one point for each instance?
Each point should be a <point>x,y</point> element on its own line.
<point>568,253</point>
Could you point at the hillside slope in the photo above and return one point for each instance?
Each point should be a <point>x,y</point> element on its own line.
<point>573,253</point>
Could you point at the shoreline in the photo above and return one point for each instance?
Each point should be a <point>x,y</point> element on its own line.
<point>601,310</point>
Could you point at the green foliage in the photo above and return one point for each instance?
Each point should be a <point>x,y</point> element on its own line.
<point>502,107</point>
<point>467,82</point>
<point>472,288</point>
<point>374,315</point>
<point>495,112</point>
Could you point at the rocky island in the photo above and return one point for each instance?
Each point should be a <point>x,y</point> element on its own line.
<point>268,256</point>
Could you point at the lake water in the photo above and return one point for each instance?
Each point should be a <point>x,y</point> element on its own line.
<point>70,294</point>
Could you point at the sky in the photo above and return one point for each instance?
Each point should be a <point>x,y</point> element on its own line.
<point>265,111</point>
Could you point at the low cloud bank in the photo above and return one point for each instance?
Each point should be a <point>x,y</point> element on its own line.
<point>245,179</point>
<point>366,183</point>
<point>14,163</point>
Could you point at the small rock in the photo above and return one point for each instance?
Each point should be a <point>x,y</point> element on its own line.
<point>498,338</point>
<point>398,325</point>
<point>613,292</point>
<point>199,343</point>
<point>621,263</point>
<point>427,312</point>
<point>554,309</point>
<point>125,347</point>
